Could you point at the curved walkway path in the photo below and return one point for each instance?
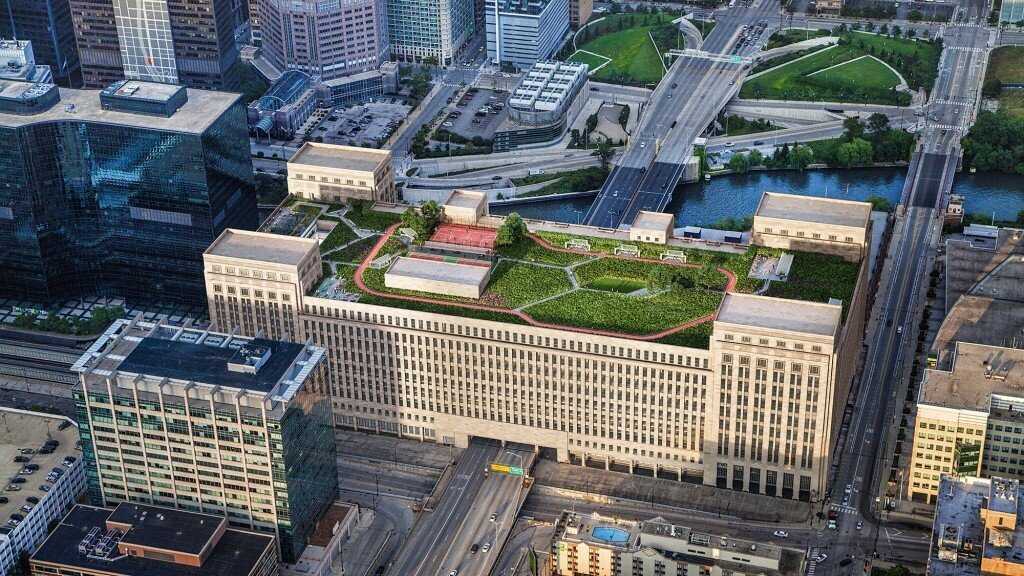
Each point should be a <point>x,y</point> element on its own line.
<point>523,315</point>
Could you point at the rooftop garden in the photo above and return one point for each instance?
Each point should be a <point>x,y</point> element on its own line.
<point>626,48</point>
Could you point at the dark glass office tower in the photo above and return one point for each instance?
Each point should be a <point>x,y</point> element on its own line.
<point>117,193</point>
<point>48,25</point>
<point>187,42</point>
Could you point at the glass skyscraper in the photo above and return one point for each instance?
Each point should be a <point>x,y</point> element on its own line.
<point>117,193</point>
<point>421,30</point>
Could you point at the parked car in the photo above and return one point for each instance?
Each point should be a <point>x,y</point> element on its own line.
<point>781,534</point>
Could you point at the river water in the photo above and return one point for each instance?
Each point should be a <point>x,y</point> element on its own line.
<point>736,196</point>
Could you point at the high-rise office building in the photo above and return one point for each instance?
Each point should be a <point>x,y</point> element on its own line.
<point>48,25</point>
<point>210,423</point>
<point>757,409</point>
<point>188,42</point>
<point>324,39</point>
<point>521,33</point>
<point>118,192</point>
<point>429,30</point>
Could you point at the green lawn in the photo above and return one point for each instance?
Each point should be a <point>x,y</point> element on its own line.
<point>1006,64</point>
<point>634,58</point>
<point>514,284</point>
<point>817,278</point>
<point>865,81</point>
<point>698,336</point>
<point>792,36</point>
<point>630,269</point>
<point>618,312</point>
<point>866,72</point>
<point>1013,102</point>
<point>353,253</point>
<point>616,284</point>
<point>589,59</point>
<point>369,219</point>
<point>530,251</point>
<point>341,234</point>
<point>582,180</point>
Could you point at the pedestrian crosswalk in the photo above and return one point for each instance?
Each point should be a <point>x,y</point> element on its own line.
<point>946,127</point>
<point>810,567</point>
<point>844,509</point>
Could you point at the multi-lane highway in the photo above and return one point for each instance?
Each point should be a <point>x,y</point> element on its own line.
<point>696,87</point>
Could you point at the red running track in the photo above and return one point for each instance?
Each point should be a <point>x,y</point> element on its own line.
<point>523,315</point>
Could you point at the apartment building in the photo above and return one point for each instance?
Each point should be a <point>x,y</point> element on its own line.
<point>977,528</point>
<point>823,225</point>
<point>43,477</point>
<point>429,30</point>
<point>595,545</point>
<point>209,423</point>
<point>756,410</point>
<point>141,540</point>
<point>334,173</point>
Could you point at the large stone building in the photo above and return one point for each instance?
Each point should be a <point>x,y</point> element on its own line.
<point>211,423</point>
<point>334,173</point>
<point>594,545</point>
<point>823,225</point>
<point>757,410</point>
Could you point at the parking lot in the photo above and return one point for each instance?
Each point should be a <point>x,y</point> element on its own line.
<point>477,113</point>
<point>367,124</point>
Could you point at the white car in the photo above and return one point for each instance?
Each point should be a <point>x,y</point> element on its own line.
<point>860,525</point>
<point>494,516</point>
<point>849,488</point>
<point>781,534</point>
<point>486,547</point>
<point>820,558</point>
<point>729,144</point>
<point>642,144</point>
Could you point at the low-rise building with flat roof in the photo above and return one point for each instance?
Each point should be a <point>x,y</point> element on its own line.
<point>978,528</point>
<point>141,540</point>
<point>323,553</point>
<point>335,173</point>
<point>438,277</point>
<point>655,227</point>
<point>604,546</point>
<point>824,225</point>
<point>43,474</point>
<point>205,399</point>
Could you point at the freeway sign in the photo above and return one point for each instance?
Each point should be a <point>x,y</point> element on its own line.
<point>506,469</point>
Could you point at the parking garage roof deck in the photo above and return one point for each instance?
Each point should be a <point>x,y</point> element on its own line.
<point>21,429</point>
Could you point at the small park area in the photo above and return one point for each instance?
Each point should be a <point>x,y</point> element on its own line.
<point>862,68</point>
<point>620,48</point>
<point>1005,72</point>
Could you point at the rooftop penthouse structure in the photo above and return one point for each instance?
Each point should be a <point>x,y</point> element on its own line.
<point>469,331</point>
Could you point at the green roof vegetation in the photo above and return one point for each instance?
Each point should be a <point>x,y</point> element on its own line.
<point>364,216</point>
<point>617,294</point>
<point>354,253</point>
<point>793,35</point>
<point>339,236</point>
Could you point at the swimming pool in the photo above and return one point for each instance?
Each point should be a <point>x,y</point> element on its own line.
<point>611,535</point>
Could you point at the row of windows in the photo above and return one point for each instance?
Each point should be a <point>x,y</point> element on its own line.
<point>815,235</point>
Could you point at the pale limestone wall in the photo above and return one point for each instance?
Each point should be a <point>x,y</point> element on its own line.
<point>460,289</point>
<point>774,391</point>
<point>648,235</point>
<point>849,242</point>
<point>445,378</point>
<point>937,431</point>
<point>328,185</point>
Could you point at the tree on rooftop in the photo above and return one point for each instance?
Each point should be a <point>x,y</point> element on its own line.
<point>512,230</point>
